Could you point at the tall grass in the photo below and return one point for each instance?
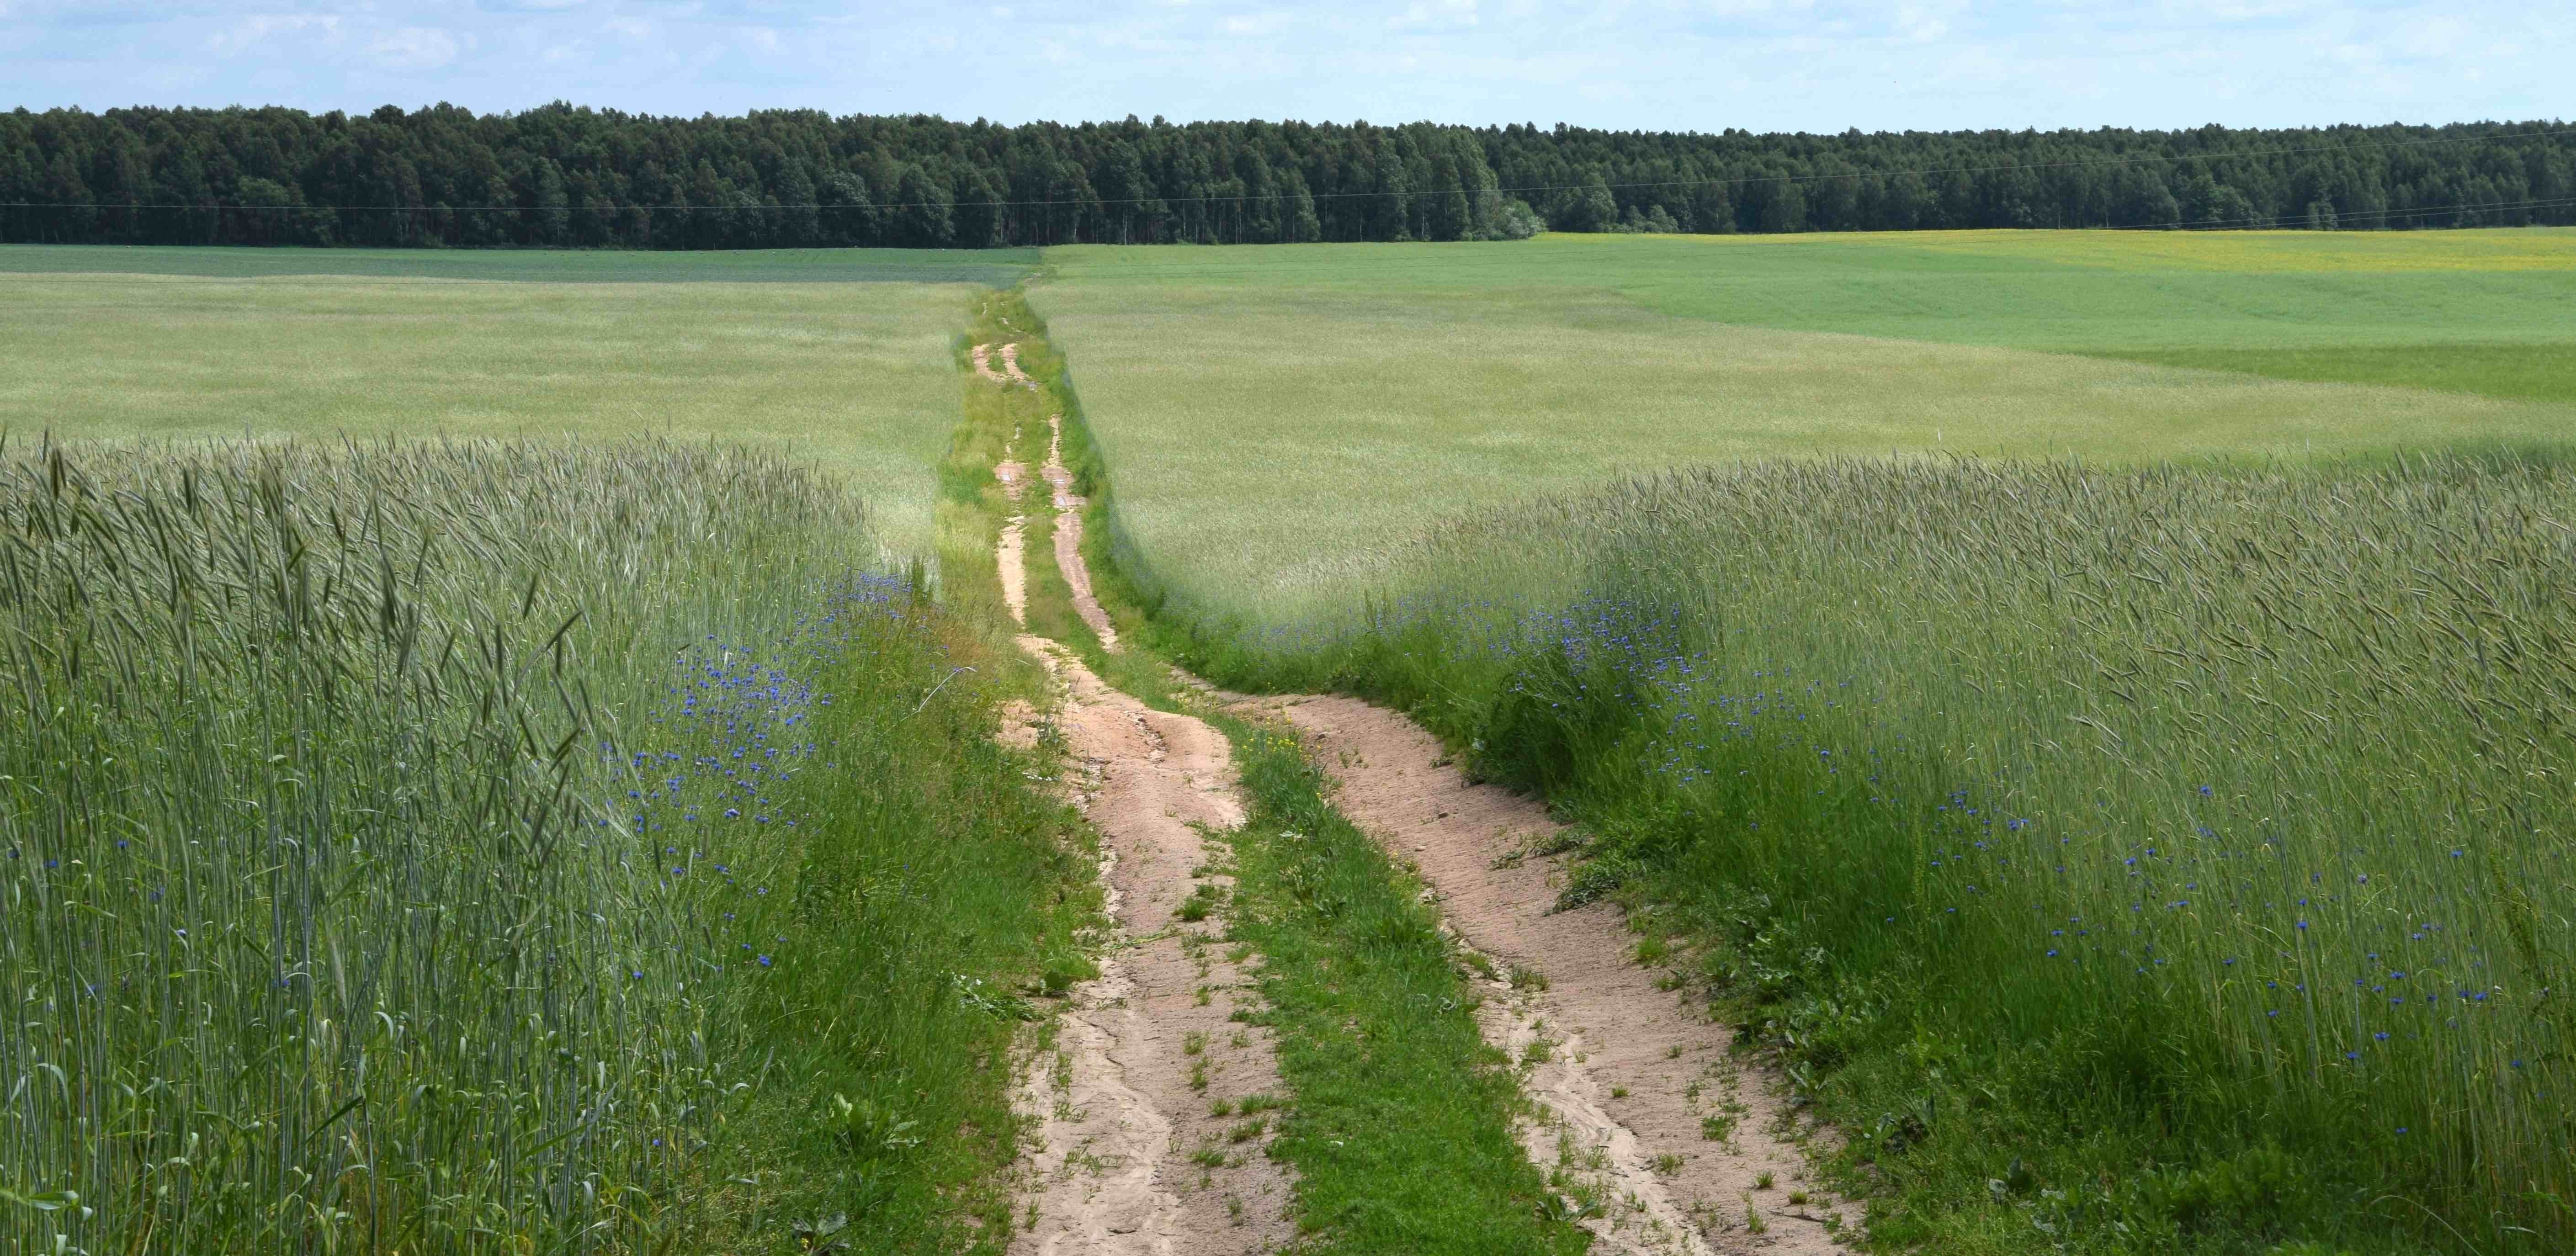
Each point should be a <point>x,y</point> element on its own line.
<point>2202,837</point>
<point>473,846</point>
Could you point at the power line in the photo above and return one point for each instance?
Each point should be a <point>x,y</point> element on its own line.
<point>1247,198</point>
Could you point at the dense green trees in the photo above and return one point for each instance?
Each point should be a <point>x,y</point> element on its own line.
<point>568,177</point>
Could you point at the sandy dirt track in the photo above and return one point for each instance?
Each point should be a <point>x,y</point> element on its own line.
<point>1632,1073</point>
<point>1142,1144</point>
<point>1641,1096</point>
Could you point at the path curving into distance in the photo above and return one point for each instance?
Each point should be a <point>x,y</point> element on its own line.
<point>1638,1091</point>
<point>1133,1153</point>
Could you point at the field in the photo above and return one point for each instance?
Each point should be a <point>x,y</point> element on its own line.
<point>500,747</point>
<point>843,355</point>
<point>2171,794</point>
<point>1279,416</point>
<point>455,837</point>
<point>470,845</point>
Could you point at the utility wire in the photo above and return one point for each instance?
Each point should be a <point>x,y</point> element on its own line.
<point>2122,160</point>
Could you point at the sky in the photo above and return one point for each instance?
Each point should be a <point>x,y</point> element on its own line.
<point>1763,65</point>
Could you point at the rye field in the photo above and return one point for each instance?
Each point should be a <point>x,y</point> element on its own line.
<point>1279,417</point>
<point>485,769</point>
<point>2099,699</point>
<point>841,355</point>
<point>594,752</point>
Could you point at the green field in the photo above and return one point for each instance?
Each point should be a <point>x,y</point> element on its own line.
<point>2146,830</point>
<point>497,846</point>
<point>2147,833</point>
<point>842,355</point>
<point>1279,416</point>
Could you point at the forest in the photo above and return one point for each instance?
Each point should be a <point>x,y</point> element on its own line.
<point>563,176</point>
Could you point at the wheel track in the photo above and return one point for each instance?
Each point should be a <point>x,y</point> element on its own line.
<point>1631,1071</point>
<point>1130,1156</point>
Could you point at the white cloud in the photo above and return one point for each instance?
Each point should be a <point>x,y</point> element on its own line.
<point>255,29</point>
<point>1817,65</point>
<point>414,48</point>
<point>1435,15</point>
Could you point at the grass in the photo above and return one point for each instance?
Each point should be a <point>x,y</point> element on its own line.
<point>2199,835</point>
<point>1280,417</point>
<point>1401,1129</point>
<point>2530,372</point>
<point>855,376</point>
<point>409,851</point>
<point>982,267</point>
<point>2263,704</point>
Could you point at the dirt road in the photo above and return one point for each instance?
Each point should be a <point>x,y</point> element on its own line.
<point>1640,1092</point>
<point>1154,1104</point>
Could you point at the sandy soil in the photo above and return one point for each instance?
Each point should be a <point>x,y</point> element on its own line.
<point>1635,1079</point>
<point>1011,367</point>
<point>1641,1096</point>
<point>1142,1145</point>
<point>1068,538</point>
<point>984,365</point>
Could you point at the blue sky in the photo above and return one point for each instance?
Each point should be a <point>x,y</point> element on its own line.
<point>1813,65</point>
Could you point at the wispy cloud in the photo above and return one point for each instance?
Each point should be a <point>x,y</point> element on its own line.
<point>252,31</point>
<point>1817,65</point>
<point>414,48</point>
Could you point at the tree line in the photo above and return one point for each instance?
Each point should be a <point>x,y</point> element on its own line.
<point>564,176</point>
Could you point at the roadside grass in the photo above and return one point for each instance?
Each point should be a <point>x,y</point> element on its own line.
<point>2156,860</point>
<point>1401,1126</point>
<point>855,376</point>
<point>1280,418</point>
<point>1400,1119</point>
<point>412,851</point>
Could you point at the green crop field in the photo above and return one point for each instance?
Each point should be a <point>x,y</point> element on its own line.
<point>2147,833</point>
<point>2092,707</point>
<point>482,840</point>
<point>462,852</point>
<point>1278,416</point>
<point>843,354</point>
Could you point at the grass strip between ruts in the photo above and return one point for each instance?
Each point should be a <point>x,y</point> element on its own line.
<point>1401,1122</point>
<point>1401,1133</point>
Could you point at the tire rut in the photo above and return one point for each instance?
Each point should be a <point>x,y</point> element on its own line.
<point>1644,1098</point>
<point>1141,1146</point>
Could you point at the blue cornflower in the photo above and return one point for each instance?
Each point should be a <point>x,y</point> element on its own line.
<point>764,962</point>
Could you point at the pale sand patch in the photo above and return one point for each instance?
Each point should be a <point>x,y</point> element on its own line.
<point>1130,1156</point>
<point>1068,540</point>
